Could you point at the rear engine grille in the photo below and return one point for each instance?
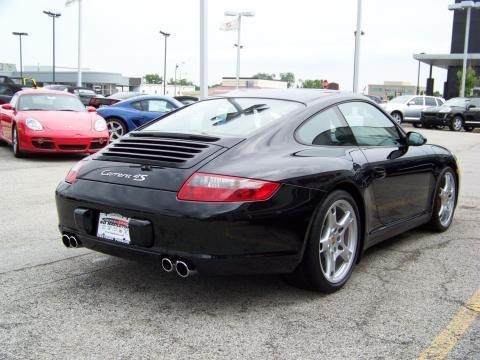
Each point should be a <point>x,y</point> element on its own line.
<point>157,150</point>
<point>72,147</point>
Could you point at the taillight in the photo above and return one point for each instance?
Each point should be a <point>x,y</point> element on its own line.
<point>72,174</point>
<point>220,188</point>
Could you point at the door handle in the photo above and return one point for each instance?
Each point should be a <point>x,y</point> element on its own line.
<point>379,172</point>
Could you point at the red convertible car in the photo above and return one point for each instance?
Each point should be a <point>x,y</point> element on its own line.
<point>51,122</point>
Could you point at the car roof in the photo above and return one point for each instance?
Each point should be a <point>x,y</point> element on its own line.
<point>148,97</point>
<point>300,95</point>
<point>43,91</point>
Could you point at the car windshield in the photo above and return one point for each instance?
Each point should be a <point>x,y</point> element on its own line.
<point>400,99</point>
<point>457,102</point>
<point>230,116</point>
<point>55,102</point>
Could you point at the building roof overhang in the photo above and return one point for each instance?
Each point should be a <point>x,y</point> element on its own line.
<point>446,60</point>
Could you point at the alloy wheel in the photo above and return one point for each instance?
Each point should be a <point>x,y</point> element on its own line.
<point>115,129</point>
<point>447,197</point>
<point>457,123</point>
<point>15,140</point>
<point>397,117</point>
<point>338,241</point>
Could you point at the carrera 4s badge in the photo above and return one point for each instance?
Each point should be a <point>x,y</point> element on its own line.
<point>135,177</point>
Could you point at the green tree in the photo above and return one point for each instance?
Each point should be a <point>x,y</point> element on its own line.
<point>471,80</point>
<point>312,84</point>
<point>153,79</point>
<point>289,77</point>
<point>264,76</point>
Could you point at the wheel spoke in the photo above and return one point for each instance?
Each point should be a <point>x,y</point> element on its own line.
<point>345,254</point>
<point>346,220</point>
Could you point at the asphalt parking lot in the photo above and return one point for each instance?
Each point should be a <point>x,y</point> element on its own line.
<point>74,303</point>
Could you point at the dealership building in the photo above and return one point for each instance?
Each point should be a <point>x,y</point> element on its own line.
<point>453,62</point>
<point>104,83</point>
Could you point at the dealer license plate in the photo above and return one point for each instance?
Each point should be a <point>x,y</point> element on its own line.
<point>113,227</point>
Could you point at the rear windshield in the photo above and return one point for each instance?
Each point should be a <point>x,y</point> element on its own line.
<point>229,117</point>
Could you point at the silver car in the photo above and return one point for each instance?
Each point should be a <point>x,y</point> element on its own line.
<point>408,108</point>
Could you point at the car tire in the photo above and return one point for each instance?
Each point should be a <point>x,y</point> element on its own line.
<point>456,123</point>
<point>17,152</point>
<point>116,128</point>
<point>469,128</point>
<point>417,125</point>
<point>397,117</point>
<point>445,201</point>
<point>332,247</point>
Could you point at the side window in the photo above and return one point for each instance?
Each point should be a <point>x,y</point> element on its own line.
<point>440,102</point>
<point>13,100</point>
<point>5,90</point>
<point>137,105</point>
<point>369,126</point>
<point>326,128</point>
<point>417,100</point>
<point>430,101</point>
<point>158,106</point>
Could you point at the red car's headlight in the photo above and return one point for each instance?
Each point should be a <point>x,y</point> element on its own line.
<point>220,188</point>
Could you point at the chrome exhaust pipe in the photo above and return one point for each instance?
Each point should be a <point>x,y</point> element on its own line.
<point>167,264</point>
<point>66,240</point>
<point>74,243</point>
<point>183,270</point>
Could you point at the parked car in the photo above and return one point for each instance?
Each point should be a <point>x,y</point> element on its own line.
<point>374,98</point>
<point>50,121</point>
<point>127,115</point>
<point>85,94</point>
<point>408,108</point>
<point>456,113</point>
<point>101,101</point>
<point>25,82</point>
<point>8,89</point>
<point>293,181</point>
<point>186,100</point>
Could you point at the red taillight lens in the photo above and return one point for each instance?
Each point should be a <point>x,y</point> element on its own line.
<point>72,174</point>
<point>220,188</point>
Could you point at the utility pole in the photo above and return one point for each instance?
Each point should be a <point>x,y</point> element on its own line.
<point>203,49</point>
<point>358,35</point>
<point>53,16</point>
<point>165,35</point>
<point>20,34</point>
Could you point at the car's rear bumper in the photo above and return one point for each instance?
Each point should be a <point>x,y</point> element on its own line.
<point>231,238</point>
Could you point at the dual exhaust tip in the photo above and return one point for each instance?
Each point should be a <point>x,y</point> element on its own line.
<point>181,267</point>
<point>71,241</point>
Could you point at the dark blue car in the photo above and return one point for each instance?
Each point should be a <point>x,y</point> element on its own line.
<point>127,115</point>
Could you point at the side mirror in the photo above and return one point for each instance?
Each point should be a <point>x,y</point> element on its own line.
<point>7,106</point>
<point>415,139</point>
<point>471,106</point>
<point>91,109</point>
<point>411,103</point>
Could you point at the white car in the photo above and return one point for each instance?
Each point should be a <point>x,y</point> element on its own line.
<point>408,108</point>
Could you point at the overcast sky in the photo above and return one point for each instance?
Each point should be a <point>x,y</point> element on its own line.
<point>311,38</point>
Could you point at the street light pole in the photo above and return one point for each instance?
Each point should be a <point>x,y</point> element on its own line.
<point>175,81</point>
<point>79,51</point>
<point>203,49</point>
<point>238,45</point>
<point>358,35</point>
<point>418,77</point>
<point>53,16</point>
<point>465,5</point>
<point>20,34</point>
<point>165,35</point>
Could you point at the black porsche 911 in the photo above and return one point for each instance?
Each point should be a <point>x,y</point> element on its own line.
<point>296,182</point>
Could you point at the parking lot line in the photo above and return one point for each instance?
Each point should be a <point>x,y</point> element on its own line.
<point>449,337</point>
